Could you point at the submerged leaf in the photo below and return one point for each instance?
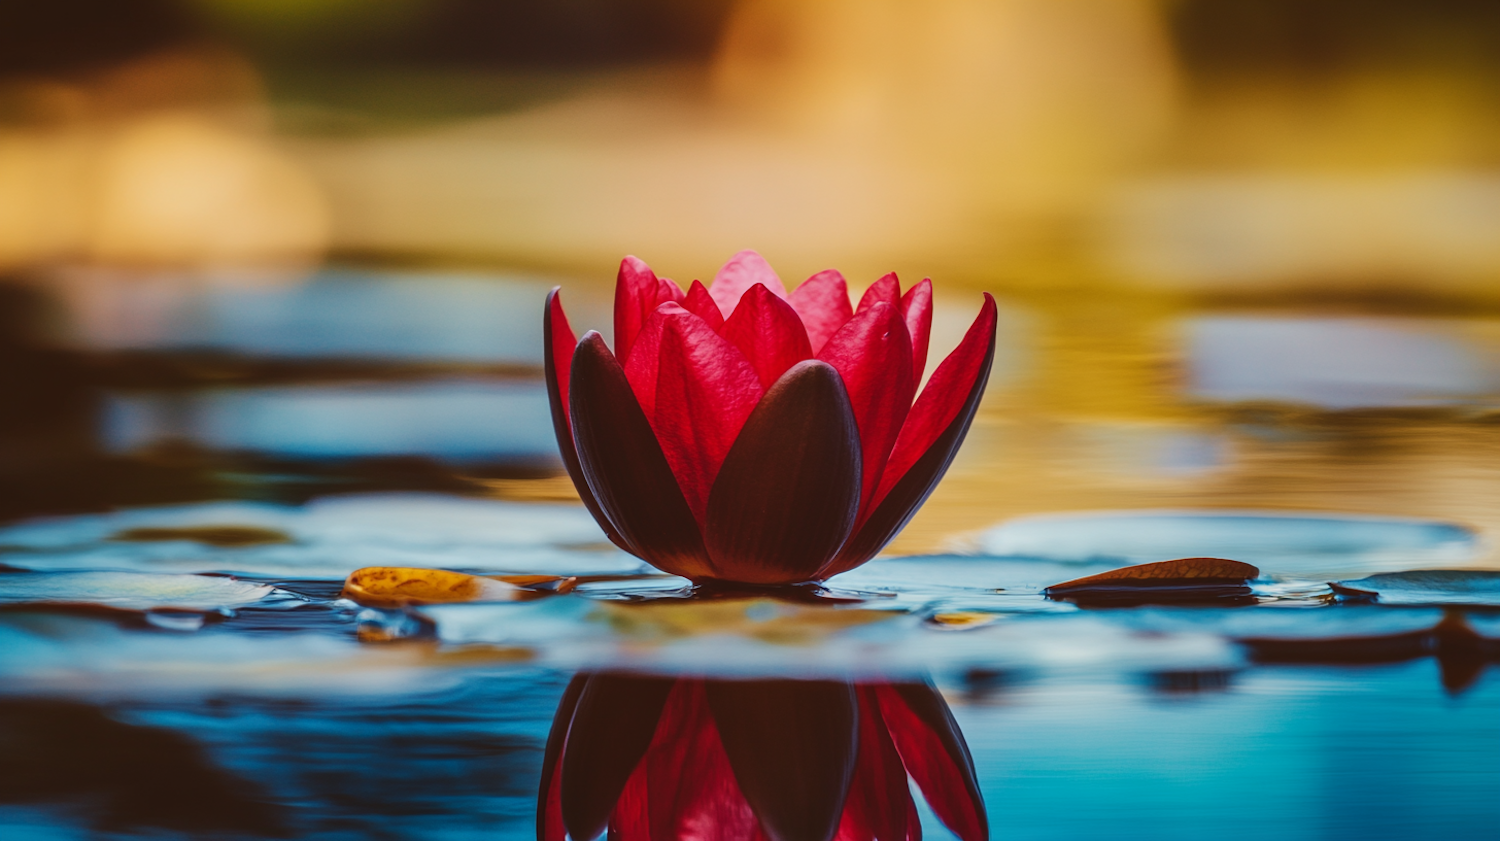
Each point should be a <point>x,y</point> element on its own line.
<point>402,586</point>
<point>226,536</point>
<point>1461,652</point>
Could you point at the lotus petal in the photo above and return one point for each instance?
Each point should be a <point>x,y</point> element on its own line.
<point>768,332</point>
<point>880,804</point>
<point>743,271</point>
<point>625,468</point>
<point>705,391</point>
<point>613,725</point>
<point>822,302</point>
<point>549,821</point>
<point>792,746</point>
<point>700,303</point>
<point>933,750</point>
<point>787,495</point>
<point>872,354</point>
<point>916,308</point>
<point>925,448</point>
<point>560,343</point>
<point>886,290</point>
<point>684,785</point>
<point>635,298</point>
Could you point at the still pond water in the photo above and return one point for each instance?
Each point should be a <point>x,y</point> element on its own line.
<point>191,471</point>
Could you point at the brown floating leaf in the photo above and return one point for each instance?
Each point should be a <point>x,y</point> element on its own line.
<point>403,586</point>
<point>210,535</point>
<point>1183,571</point>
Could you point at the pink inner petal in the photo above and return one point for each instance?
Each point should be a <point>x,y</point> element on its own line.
<point>940,401</point>
<point>705,390</point>
<point>667,291</point>
<point>872,353</point>
<point>636,291</point>
<point>916,308</point>
<point>768,332</point>
<point>700,303</point>
<point>945,779</point>
<point>743,271</point>
<point>684,786</point>
<point>887,290</point>
<point>641,366</point>
<point>822,301</point>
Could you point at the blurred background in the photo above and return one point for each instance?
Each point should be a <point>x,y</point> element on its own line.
<point>1247,251</point>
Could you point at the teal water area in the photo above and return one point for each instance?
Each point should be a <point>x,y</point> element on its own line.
<point>184,495</point>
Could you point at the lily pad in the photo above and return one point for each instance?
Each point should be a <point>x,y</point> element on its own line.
<point>325,539</point>
<point>1430,587</point>
<point>133,590</point>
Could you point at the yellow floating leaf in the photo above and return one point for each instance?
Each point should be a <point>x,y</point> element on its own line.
<point>210,535</point>
<point>1203,571</point>
<point>539,583</point>
<point>958,620</point>
<point>403,586</point>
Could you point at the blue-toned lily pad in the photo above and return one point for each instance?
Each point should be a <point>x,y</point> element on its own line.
<point>1277,542</point>
<point>1432,586</point>
<point>326,539</point>
<point>133,590</point>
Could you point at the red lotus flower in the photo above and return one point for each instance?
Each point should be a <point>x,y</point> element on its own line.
<point>658,759</point>
<point>740,433</point>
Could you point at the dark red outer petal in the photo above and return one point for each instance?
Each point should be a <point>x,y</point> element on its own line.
<point>700,303</point>
<point>557,338</point>
<point>880,806</point>
<point>768,332</point>
<point>916,308</point>
<point>896,506</point>
<point>549,825</point>
<point>872,354</point>
<point>625,468</point>
<point>822,302</point>
<point>788,493</point>
<point>612,727</point>
<point>935,754</point>
<point>886,289</point>
<point>792,746</point>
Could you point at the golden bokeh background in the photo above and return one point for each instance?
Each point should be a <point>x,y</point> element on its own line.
<point>1136,180</point>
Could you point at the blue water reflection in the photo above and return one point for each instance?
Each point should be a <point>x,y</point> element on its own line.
<point>1340,363</point>
<point>454,419</point>
<point>338,313</point>
<point>1286,752</point>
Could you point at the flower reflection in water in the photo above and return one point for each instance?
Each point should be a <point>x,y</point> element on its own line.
<point>784,760</point>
